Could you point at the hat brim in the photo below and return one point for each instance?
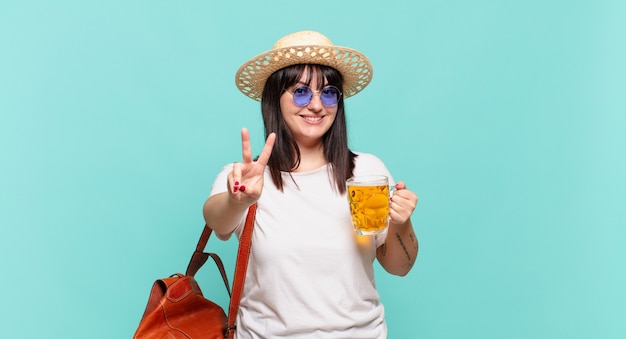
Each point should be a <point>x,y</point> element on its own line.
<point>355,67</point>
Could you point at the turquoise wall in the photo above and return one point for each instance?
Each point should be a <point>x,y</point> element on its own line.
<point>508,118</point>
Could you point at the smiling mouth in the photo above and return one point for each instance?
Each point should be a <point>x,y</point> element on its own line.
<point>312,119</point>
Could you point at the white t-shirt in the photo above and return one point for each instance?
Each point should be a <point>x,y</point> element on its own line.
<point>309,275</point>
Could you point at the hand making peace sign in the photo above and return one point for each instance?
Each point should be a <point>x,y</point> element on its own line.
<point>245,181</point>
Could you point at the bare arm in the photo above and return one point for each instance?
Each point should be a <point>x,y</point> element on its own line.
<point>223,211</point>
<point>222,214</point>
<point>397,255</point>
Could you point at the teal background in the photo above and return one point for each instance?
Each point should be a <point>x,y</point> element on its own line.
<point>507,118</point>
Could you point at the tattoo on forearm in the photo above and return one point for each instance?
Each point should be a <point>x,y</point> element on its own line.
<point>413,239</point>
<point>408,256</point>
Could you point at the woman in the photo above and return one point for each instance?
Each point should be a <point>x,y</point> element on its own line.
<point>309,274</point>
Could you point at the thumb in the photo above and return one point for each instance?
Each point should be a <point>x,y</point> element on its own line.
<point>400,185</point>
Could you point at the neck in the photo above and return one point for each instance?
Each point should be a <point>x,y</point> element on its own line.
<point>311,158</point>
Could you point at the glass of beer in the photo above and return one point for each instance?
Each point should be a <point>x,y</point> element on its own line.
<point>368,197</point>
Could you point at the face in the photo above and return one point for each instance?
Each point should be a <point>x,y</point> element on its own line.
<point>308,123</point>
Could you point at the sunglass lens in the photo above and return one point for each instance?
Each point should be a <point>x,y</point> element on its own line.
<point>330,96</point>
<point>302,95</point>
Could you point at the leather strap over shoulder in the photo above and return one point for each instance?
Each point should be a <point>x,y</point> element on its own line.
<point>245,244</point>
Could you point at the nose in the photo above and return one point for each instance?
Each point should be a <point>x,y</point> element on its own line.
<point>316,103</point>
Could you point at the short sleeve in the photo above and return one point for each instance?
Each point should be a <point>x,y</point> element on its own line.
<point>221,181</point>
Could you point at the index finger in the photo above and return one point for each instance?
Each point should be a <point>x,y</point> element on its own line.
<point>267,149</point>
<point>246,149</point>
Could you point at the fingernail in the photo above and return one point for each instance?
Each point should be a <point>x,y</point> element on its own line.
<point>242,188</point>
<point>235,189</point>
<point>236,183</point>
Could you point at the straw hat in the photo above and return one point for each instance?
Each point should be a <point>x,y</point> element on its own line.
<point>305,47</point>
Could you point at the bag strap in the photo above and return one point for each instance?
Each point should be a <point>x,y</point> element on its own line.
<point>243,253</point>
<point>199,257</point>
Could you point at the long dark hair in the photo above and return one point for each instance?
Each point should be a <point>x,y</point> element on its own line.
<point>286,154</point>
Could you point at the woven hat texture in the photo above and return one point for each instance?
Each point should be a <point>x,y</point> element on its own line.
<point>305,47</point>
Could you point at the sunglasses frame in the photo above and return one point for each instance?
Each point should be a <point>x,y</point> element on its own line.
<point>318,93</point>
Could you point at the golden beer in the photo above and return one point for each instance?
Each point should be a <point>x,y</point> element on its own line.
<point>369,203</point>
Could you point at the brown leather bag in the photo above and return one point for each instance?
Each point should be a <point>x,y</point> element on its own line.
<point>176,307</point>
